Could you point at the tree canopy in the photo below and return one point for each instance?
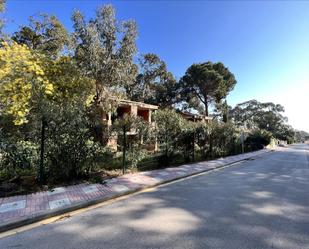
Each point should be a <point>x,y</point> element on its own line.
<point>301,136</point>
<point>256,114</point>
<point>2,2</point>
<point>265,116</point>
<point>2,7</point>
<point>23,80</point>
<point>45,34</point>
<point>206,83</point>
<point>104,49</point>
<point>154,84</point>
<point>69,84</point>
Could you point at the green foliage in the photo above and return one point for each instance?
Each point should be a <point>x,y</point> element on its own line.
<point>301,136</point>
<point>2,7</point>
<point>264,116</point>
<point>222,111</point>
<point>104,49</point>
<point>133,134</point>
<point>169,129</point>
<point>68,82</point>
<point>2,4</point>
<point>255,114</point>
<point>258,139</point>
<point>187,139</point>
<point>45,34</point>
<point>70,148</point>
<point>165,92</point>
<point>154,84</point>
<point>17,157</point>
<point>224,139</point>
<point>23,82</point>
<point>203,136</point>
<point>136,154</point>
<point>177,135</point>
<point>206,83</point>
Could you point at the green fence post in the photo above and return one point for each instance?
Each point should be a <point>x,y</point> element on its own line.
<point>41,172</point>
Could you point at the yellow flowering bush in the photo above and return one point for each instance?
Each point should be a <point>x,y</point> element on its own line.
<point>22,79</point>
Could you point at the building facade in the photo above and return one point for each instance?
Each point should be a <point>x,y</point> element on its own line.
<point>133,108</point>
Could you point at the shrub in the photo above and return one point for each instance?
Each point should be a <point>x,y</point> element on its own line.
<point>258,139</point>
<point>17,158</point>
<point>187,140</point>
<point>168,132</point>
<point>224,139</point>
<point>135,155</point>
<point>70,147</point>
<point>203,133</point>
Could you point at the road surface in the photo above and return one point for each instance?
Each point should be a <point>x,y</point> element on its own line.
<point>263,203</point>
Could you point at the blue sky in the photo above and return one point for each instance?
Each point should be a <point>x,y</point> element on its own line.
<point>264,43</point>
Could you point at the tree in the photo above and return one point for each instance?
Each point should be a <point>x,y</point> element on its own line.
<point>45,34</point>
<point>221,111</point>
<point>104,50</point>
<point>2,4</point>
<point>150,69</point>
<point>301,136</point>
<point>2,7</point>
<point>165,92</point>
<point>23,81</point>
<point>154,84</point>
<point>32,85</point>
<point>68,83</point>
<point>24,86</point>
<point>28,78</point>
<point>255,114</point>
<point>285,132</point>
<point>264,116</point>
<point>206,83</point>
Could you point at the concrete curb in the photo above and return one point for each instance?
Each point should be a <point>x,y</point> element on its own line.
<point>83,204</point>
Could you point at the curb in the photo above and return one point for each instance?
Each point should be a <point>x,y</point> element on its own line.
<point>4,227</point>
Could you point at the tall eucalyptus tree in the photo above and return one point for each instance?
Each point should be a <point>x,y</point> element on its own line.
<point>105,49</point>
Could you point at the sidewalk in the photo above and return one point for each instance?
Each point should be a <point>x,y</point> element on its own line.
<point>25,209</point>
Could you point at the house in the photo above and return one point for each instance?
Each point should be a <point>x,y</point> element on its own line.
<point>145,111</point>
<point>194,117</point>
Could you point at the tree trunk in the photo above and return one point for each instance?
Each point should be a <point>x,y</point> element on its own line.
<point>206,105</point>
<point>101,132</point>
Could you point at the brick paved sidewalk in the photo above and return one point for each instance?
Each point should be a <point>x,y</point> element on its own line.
<point>24,209</point>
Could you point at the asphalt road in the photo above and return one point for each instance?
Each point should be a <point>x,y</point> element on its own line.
<point>263,203</point>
